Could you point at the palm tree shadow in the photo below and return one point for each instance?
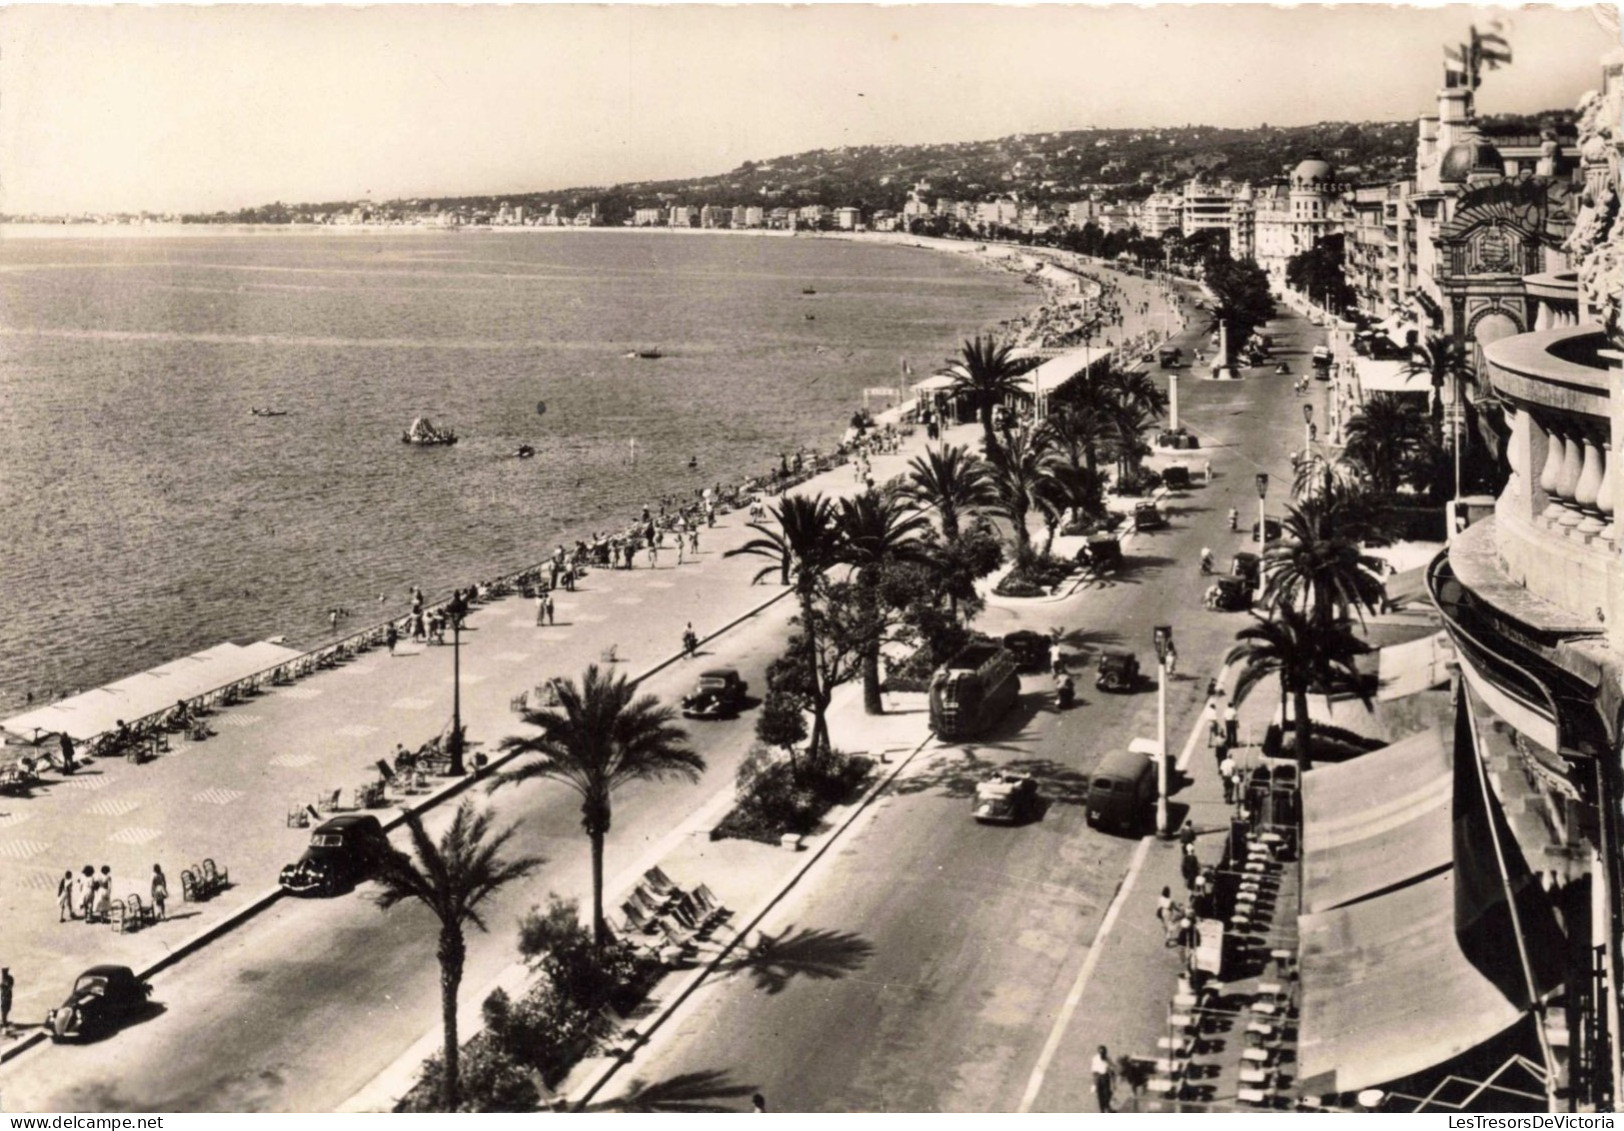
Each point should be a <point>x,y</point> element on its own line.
<point>704,1091</point>
<point>956,776</point>
<point>822,955</point>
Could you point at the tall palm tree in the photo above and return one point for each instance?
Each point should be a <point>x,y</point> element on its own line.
<point>1443,362</point>
<point>1317,564</point>
<point>1019,477</point>
<point>452,878</point>
<point>598,738</point>
<point>987,372</point>
<point>951,482</point>
<point>1081,424</point>
<point>877,529</point>
<point>1129,423</point>
<point>1383,437</point>
<point>1304,658</point>
<point>1136,388</point>
<point>1068,487</point>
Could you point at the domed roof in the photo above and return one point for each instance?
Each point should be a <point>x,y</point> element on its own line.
<point>1312,170</point>
<point>1468,157</point>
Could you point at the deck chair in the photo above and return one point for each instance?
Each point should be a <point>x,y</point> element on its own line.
<point>328,802</point>
<point>677,935</point>
<point>660,882</point>
<point>189,890</point>
<point>117,916</point>
<point>136,913</point>
<point>638,919</point>
<point>689,916</point>
<point>714,908</point>
<point>646,901</point>
<point>214,878</point>
<point>390,781</point>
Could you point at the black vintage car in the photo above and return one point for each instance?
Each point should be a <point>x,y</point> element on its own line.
<point>101,997</point>
<point>1030,649</point>
<point>719,694</point>
<point>1246,565</point>
<point>1103,552</point>
<point>1229,594</point>
<point>1274,529</point>
<point>1176,477</point>
<point>1148,516</point>
<point>1119,671</point>
<point>342,853</point>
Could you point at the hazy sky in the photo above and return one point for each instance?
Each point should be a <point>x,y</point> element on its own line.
<point>106,108</point>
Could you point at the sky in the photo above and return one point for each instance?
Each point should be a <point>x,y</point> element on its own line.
<point>193,108</point>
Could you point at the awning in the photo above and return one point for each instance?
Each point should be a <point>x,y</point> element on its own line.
<point>1386,991</point>
<point>1376,821</point>
<point>1389,377</point>
<point>1055,372</point>
<point>135,697</point>
<point>933,383</point>
<point>1416,666</point>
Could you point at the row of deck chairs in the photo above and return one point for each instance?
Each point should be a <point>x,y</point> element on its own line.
<point>682,919</point>
<point>205,881</point>
<point>130,914</point>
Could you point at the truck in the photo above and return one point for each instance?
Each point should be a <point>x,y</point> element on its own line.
<point>973,690</point>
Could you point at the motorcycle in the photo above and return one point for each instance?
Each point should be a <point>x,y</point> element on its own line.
<point>1283,369</point>
<point>1234,518</point>
<point>1065,691</point>
<point>1206,562</point>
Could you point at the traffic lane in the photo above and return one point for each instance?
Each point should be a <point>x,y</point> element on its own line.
<point>301,1007</point>
<point>920,966</point>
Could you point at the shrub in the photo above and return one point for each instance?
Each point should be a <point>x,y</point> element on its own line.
<point>1138,481</point>
<point>491,1080</point>
<point>772,800</point>
<point>1036,577</point>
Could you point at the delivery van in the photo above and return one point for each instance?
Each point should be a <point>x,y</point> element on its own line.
<point>1121,792</point>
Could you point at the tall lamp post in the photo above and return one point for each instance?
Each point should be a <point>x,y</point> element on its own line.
<point>1163,637</point>
<point>454,745</point>
<point>1262,527</point>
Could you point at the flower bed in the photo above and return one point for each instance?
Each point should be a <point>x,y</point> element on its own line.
<point>776,797</point>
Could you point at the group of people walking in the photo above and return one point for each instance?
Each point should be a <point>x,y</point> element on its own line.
<point>88,895</point>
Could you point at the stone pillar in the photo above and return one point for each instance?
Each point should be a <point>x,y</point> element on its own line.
<point>1173,401</point>
<point>1518,497</point>
<point>1568,485</point>
<point>1551,475</point>
<point>1587,491</point>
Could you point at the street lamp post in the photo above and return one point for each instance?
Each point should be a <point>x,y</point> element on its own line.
<point>454,745</point>
<point>1262,528</point>
<point>1163,637</point>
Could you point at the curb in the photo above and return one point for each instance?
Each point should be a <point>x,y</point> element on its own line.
<point>760,912</point>
<point>261,903</point>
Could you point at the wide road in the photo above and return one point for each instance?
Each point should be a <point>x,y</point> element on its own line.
<point>932,954</point>
<point>301,1008</point>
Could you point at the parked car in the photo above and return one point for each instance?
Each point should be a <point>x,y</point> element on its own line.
<point>1176,477</point>
<point>1121,792</point>
<point>1006,798</point>
<point>1274,529</point>
<point>1246,565</point>
<point>342,853</point>
<point>1102,552</point>
<point>1030,649</point>
<point>1148,516</point>
<point>1119,671</point>
<point>1230,593</point>
<point>719,694</point>
<point>101,997</point>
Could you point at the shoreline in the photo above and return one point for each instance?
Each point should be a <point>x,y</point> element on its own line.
<point>314,643</point>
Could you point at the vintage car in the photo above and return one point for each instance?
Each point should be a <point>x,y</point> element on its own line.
<point>1006,798</point>
<point>342,852</point>
<point>1102,552</point>
<point>1176,477</point>
<point>1119,671</point>
<point>101,997</point>
<point>1246,564</point>
<point>1030,649</point>
<point>1171,357</point>
<point>719,694</point>
<point>1148,516</point>
<point>1230,594</point>
<point>1274,529</point>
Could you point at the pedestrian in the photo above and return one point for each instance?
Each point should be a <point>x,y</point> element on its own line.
<point>1172,658</point>
<point>160,892</point>
<point>82,892</point>
<point>1164,905</point>
<point>758,1104</point>
<point>693,540</point>
<point>653,554</point>
<point>1232,725</point>
<point>67,753</point>
<point>1226,771</point>
<point>682,545</point>
<point>64,897</point>
<point>1187,835</point>
<point>1190,867</point>
<point>690,641</point>
<point>1057,661</point>
<point>104,897</point>
<point>391,637</point>
<point>1213,690</point>
<point>549,599</point>
<point>1104,1078</point>
<point>419,630</point>
<point>541,608</point>
<point>7,985</point>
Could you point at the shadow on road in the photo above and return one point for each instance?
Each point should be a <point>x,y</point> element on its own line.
<point>822,955</point>
<point>705,1091</point>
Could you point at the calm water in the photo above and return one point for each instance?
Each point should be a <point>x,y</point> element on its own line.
<point>148,514</point>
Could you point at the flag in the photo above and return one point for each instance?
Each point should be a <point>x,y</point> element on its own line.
<point>1456,66</point>
<point>1489,49</point>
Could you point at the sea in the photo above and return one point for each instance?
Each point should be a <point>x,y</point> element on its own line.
<point>146,512</point>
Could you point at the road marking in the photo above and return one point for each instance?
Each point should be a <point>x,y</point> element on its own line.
<point>113,807</point>
<point>135,835</point>
<point>88,784</point>
<point>356,730</point>
<point>217,796</point>
<point>304,692</point>
<point>237,721</point>
<point>292,761</point>
<point>1035,1084</point>
<point>21,849</point>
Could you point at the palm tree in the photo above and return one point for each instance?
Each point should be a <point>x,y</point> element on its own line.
<point>1081,424</point>
<point>1383,437</point>
<point>1442,361</point>
<point>1068,487</point>
<point>1136,388</point>
<point>1317,564</point>
<point>988,374</point>
<point>597,739</point>
<point>1019,475</point>
<point>950,481</point>
<point>1304,658</point>
<point>875,530</point>
<point>451,879</point>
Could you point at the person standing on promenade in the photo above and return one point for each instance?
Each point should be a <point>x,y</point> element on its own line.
<point>1104,1076</point>
<point>67,753</point>
<point>104,898</point>
<point>391,637</point>
<point>1190,867</point>
<point>548,599</point>
<point>64,897</point>
<point>82,892</point>
<point>1232,725</point>
<point>160,892</point>
<point>541,608</point>
<point>1226,771</point>
<point>653,552</point>
<point>682,542</point>
<point>7,985</point>
<point>693,540</point>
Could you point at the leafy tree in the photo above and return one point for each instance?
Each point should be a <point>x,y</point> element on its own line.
<point>452,879</point>
<point>782,723</point>
<point>1019,476</point>
<point>826,650</point>
<point>951,482</point>
<point>1383,437</point>
<point>877,530</point>
<point>1317,564</point>
<point>1318,273</point>
<point>1242,301</point>
<point>1443,362</point>
<point>599,737</point>
<point>1304,658</point>
<point>988,374</point>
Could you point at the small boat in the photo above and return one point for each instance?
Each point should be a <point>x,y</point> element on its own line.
<point>525,452</point>
<point>809,290</point>
<point>811,317</point>
<point>648,355</point>
<point>424,434</point>
<point>268,411</point>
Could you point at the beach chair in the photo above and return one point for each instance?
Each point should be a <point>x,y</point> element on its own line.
<point>214,877</point>
<point>638,919</point>
<point>647,901</point>
<point>189,890</point>
<point>714,911</point>
<point>328,802</point>
<point>677,936</point>
<point>660,882</point>
<point>298,817</point>
<point>117,912</point>
<point>136,913</point>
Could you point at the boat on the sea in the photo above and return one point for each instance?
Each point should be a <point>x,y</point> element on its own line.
<point>648,355</point>
<point>424,433</point>
<point>525,452</point>
<point>809,290</point>
<point>268,411</point>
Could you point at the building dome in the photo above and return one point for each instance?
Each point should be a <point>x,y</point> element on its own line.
<point>1312,172</point>
<point>1468,158</point>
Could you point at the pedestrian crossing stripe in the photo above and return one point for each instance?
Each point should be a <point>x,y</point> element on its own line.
<point>516,657</point>
<point>21,849</point>
<point>357,669</point>
<point>356,730</point>
<point>237,721</point>
<point>113,807</point>
<point>301,692</point>
<point>661,585</point>
<point>88,783</point>
<point>37,879</point>
<point>217,796</point>
<point>135,835</point>
<point>590,618</point>
<point>411,704</point>
<point>626,601</point>
<point>292,761</point>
